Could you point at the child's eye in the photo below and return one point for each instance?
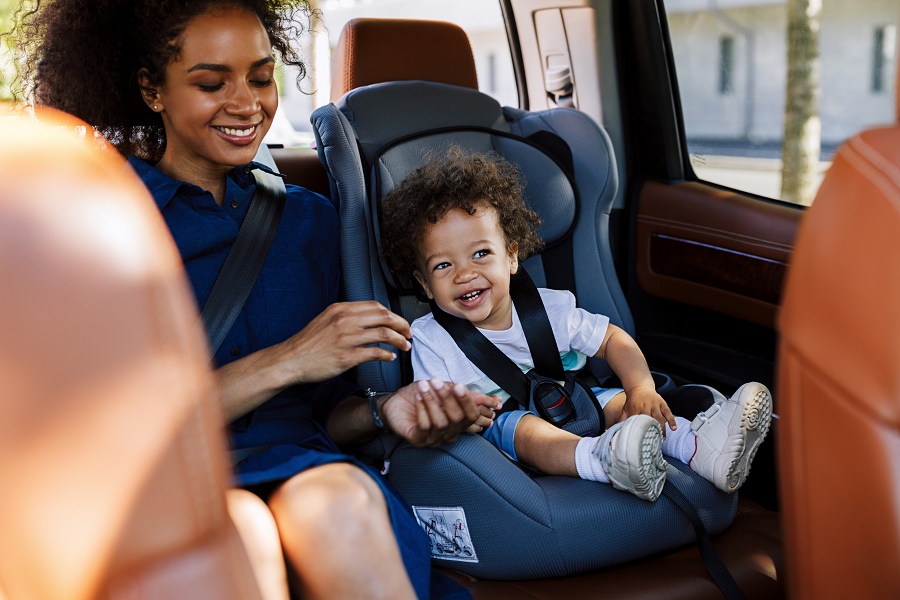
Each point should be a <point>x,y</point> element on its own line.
<point>442,265</point>
<point>482,253</point>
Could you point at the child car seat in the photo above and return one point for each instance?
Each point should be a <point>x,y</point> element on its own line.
<point>512,526</point>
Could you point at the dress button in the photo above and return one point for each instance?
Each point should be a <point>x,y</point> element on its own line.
<point>234,204</point>
<point>235,351</point>
<point>247,169</point>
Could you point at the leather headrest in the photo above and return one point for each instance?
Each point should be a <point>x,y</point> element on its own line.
<point>379,50</point>
<point>110,430</point>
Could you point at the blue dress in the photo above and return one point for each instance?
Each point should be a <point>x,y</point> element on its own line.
<point>298,281</point>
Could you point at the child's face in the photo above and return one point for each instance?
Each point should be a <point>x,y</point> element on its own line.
<point>464,265</point>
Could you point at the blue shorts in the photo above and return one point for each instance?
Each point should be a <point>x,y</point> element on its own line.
<point>502,434</point>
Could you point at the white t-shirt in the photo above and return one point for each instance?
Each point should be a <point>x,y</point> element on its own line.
<point>578,334</point>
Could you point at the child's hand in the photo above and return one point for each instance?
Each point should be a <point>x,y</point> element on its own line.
<point>645,401</point>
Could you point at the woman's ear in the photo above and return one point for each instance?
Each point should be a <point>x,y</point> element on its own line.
<point>424,284</point>
<point>513,251</point>
<point>149,93</point>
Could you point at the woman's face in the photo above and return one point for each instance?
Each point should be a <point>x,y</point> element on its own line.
<point>219,96</point>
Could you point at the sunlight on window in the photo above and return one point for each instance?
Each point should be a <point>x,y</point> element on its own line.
<point>732,63</point>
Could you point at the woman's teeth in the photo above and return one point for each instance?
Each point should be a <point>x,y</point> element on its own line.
<point>470,295</point>
<point>237,132</point>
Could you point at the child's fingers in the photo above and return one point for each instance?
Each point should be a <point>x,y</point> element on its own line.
<point>670,418</point>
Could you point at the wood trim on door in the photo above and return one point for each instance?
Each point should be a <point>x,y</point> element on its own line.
<point>714,249</point>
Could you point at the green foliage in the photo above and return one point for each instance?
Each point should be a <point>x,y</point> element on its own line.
<point>7,48</point>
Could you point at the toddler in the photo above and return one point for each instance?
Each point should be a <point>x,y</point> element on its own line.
<point>458,224</point>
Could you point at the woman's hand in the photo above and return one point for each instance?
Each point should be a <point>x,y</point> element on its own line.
<point>330,344</point>
<point>339,338</point>
<point>432,412</point>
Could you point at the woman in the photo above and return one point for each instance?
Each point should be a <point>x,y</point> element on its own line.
<point>187,89</point>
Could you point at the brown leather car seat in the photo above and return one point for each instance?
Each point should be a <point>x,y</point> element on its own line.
<point>111,445</point>
<point>750,547</point>
<point>839,380</point>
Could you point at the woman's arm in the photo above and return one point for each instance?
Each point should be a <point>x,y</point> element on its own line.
<point>336,340</point>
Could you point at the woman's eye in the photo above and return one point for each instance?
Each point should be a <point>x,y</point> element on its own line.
<point>482,253</point>
<point>442,265</point>
<point>261,83</point>
<point>210,87</point>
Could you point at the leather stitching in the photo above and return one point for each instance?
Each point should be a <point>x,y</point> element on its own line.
<point>877,159</point>
<point>729,235</point>
<point>348,58</point>
<point>873,175</point>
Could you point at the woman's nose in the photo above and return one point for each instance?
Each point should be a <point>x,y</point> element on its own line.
<point>244,101</point>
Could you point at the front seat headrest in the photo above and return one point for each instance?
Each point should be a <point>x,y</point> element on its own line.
<point>113,462</point>
<point>378,50</point>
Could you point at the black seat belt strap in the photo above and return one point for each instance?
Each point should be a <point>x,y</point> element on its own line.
<point>246,257</point>
<point>485,355</point>
<point>711,560</point>
<point>536,325</point>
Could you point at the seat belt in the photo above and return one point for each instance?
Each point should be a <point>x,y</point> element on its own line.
<point>542,344</point>
<point>491,360</point>
<point>246,257</point>
<point>711,559</point>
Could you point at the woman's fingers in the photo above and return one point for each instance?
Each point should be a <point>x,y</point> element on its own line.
<point>368,315</point>
<point>422,414</point>
<point>433,404</point>
<point>379,335</point>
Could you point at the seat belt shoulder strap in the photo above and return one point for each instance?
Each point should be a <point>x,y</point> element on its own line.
<point>245,259</point>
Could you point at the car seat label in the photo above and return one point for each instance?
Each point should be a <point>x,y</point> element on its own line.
<point>448,532</point>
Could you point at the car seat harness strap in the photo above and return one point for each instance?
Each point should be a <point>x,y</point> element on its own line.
<point>547,388</point>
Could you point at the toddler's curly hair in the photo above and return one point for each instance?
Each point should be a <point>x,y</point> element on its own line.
<point>447,180</point>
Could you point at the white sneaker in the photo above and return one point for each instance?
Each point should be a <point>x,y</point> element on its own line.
<point>728,435</point>
<point>631,453</point>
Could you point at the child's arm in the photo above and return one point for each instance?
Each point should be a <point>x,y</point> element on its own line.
<point>627,361</point>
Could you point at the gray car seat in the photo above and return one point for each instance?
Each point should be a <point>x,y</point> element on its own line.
<point>485,515</point>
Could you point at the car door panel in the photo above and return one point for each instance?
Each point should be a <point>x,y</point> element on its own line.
<point>714,249</point>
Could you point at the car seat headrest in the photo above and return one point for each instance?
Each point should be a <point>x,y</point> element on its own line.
<point>109,425</point>
<point>379,50</point>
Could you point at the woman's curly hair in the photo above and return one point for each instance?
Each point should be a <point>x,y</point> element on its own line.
<point>83,57</point>
<point>448,180</point>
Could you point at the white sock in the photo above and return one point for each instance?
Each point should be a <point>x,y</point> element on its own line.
<point>587,463</point>
<point>681,443</point>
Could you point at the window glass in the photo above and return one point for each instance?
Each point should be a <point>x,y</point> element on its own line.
<point>734,61</point>
<point>482,20</point>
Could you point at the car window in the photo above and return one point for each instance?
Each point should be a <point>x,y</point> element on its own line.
<point>482,20</point>
<point>732,63</point>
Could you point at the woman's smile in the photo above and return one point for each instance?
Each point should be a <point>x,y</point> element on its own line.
<point>240,136</point>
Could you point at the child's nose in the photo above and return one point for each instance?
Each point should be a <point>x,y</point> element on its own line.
<point>465,275</point>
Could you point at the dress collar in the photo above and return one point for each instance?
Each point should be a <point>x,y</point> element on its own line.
<point>163,188</point>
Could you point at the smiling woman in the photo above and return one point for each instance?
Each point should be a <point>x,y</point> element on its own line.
<point>186,88</point>
<point>214,113</point>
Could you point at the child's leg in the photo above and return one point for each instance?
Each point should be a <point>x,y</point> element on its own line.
<point>546,447</point>
<point>721,441</point>
<point>627,455</point>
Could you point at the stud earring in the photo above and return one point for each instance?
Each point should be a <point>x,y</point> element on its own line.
<point>155,107</point>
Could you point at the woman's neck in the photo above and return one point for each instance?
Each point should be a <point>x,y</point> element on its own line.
<point>210,177</point>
